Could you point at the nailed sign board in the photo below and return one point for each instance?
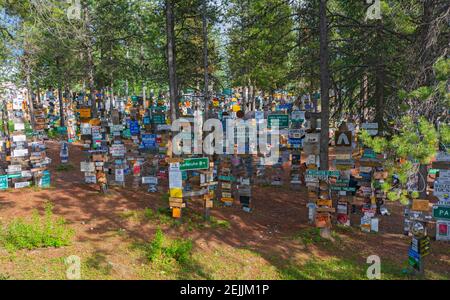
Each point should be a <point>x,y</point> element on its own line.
<point>20,185</point>
<point>190,164</point>
<point>87,167</point>
<point>283,121</point>
<point>20,153</point>
<point>19,138</point>
<point>442,190</point>
<point>371,128</point>
<point>150,180</point>
<point>343,138</point>
<point>441,212</point>
<point>119,175</point>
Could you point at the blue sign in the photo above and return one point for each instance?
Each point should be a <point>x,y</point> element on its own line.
<point>135,129</point>
<point>149,141</point>
<point>146,120</point>
<point>414,254</point>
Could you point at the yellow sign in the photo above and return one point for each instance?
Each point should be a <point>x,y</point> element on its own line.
<point>176,193</point>
<point>236,108</point>
<point>95,122</point>
<point>176,213</point>
<point>85,113</point>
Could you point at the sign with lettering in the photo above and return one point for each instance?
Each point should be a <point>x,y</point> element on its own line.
<point>441,212</point>
<point>283,121</point>
<point>190,164</point>
<point>442,190</point>
<point>85,113</point>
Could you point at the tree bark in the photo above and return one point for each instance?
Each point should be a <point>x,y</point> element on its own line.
<point>90,68</point>
<point>324,86</point>
<point>205,58</point>
<point>171,60</point>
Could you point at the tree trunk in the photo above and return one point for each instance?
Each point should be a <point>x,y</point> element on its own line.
<point>90,62</point>
<point>205,58</point>
<point>30,96</point>
<point>171,59</point>
<point>60,96</point>
<point>324,86</point>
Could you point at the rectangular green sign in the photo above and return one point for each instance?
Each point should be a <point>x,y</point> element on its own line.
<point>441,212</point>
<point>191,164</point>
<point>283,121</point>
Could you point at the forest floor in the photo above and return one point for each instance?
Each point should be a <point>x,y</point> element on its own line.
<point>113,231</point>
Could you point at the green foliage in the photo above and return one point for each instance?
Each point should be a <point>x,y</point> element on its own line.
<point>415,142</point>
<point>163,249</point>
<point>41,232</point>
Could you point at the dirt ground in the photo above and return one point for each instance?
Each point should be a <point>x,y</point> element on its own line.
<point>269,243</point>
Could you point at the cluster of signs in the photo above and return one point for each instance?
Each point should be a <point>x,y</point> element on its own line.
<point>441,211</point>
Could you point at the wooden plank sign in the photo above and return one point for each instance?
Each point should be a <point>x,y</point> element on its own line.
<point>420,205</point>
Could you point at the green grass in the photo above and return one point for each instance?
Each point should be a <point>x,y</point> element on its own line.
<point>164,249</point>
<point>41,232</point>
<point>311,236</point>
<point>99,263</point>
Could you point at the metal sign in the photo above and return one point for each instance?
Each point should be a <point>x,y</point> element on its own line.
<point>283,121</point>
<point>343,138</point>
<point>441,212</point>
<point>195,164</point>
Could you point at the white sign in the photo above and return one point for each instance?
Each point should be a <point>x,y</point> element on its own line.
<point>19,126</point>
<point>150,180</point>
<point>442,190</point>
<point>20,153</point>
<point>175,179</point>
<point>20,185</point>
<point>26,174</point>
<point>19,138</point>
<point>14,168</point>
<point>120,175</point>
<point>87,166</point>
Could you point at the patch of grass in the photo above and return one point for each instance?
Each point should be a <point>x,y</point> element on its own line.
<point>164,250</point>
<point>98,262</point>
<point>312,236</point>
<point>216,223</point>
<point>329,269</point>
<point>42,232</point>
<point>65,168</point>
<point>4,277</point>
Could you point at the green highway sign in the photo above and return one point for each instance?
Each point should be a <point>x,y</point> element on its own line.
<point>283,121</point>
<point>441,212</point>
<point>191,164</point>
